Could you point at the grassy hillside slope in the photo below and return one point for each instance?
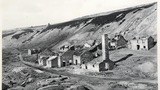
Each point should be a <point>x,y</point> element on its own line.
<point>130,22</point>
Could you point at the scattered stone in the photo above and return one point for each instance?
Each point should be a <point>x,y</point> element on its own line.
<point>4,86</point>
<point>138,87</point>
<point>147,67</point>
<point>30,80</point>
<point>46,81</point>
<point>63,78</point>
<point>78,87</point>
<point>131,84</point>
<point>16,88</point>
<point>52,87</point>
<point>38,71</point>
<point>12,83</point>
<point>18,69</point>
<point>123,83</point>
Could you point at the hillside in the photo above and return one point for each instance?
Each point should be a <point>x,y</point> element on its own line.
<point>130,22</point>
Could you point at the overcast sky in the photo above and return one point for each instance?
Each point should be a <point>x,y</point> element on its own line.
<point>22,13</point>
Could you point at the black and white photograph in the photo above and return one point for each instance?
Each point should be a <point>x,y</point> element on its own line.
<point>79,45</point>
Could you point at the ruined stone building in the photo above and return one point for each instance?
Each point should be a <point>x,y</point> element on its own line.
<point>42,60</point>
<point>141,43</point>
<point>53,61</point>
<point>64,48</point>
<point>82,56</point>
<point>48,59</point>
<point>93,65</point>
<point>33,51</point>
<point>97,53</point>
<point>102,63</point>
<point>66,58</point>
<point>74,57</point>
<point>76,47</point>
<point>70,57</point>
<point>86,45</point>
<point>117,42</point>
<point>90,43</point>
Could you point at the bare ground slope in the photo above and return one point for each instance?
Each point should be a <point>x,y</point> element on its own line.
<point>130,22</point>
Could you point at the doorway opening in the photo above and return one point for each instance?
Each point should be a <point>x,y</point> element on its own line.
<point>86,67</point>
<point>138,47</point>
<point>76,61</point>
<point>64,63</point>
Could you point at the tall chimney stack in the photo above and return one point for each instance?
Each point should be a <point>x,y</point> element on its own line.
<point>105,50</point>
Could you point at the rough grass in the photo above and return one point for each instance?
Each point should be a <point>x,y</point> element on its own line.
<point>71,24</point>
<point>7,34</point>
<point>25,31</point>
<point>101,20</point>
<point>123,85</point>
<point>8,56</point>
<point>92,30</point>
<point>32,58</point>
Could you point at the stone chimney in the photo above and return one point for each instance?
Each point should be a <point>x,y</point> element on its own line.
<point>105,50</point>
<point>59,60</point>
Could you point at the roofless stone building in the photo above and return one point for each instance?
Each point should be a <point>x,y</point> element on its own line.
<point>102,63</point>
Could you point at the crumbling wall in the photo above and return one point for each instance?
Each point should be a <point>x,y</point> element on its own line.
<point>76,59</point>
<point>52,63</point>
<point>150,42</point>
<point>86,57</point>
<point>106,65</point>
